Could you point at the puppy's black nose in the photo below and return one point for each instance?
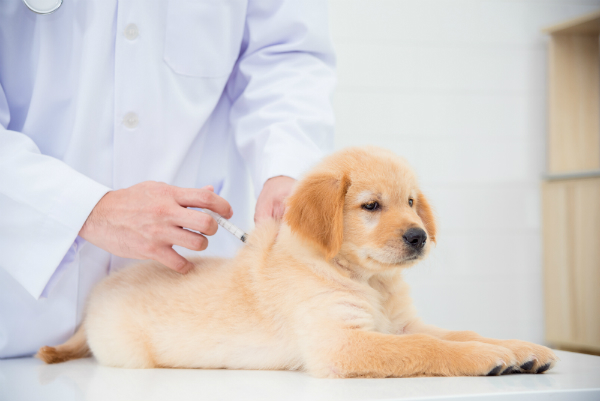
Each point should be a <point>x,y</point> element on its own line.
<point>415,237</point>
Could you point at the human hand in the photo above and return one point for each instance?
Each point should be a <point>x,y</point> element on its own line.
<point>145,221</point>
<point>271,201</point>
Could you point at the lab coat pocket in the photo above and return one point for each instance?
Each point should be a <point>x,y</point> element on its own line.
<point>203,37</point>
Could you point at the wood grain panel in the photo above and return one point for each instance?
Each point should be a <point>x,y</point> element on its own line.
<point>557,259</point>
<point>571,215</point>
<point>586,252</point>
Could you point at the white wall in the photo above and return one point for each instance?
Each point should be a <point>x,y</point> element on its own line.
<point>459,89</point>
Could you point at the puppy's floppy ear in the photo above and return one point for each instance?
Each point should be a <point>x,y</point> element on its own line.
<point>315,211</point>
<point>425,212</point>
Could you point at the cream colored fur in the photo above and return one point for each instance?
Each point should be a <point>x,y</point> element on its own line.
<point>321,292</point>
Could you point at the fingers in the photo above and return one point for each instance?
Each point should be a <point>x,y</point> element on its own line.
<point>145,220</point>
<point>271,201</point>
<point>196,220</point>
<point>189,240</point>
<point>168,257</point>
<point>204,198</point>
<point>263,212</point>
<point>266,211</point>
<point>278,210</point>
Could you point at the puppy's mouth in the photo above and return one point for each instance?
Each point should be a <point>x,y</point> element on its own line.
<point>416,255</point>
<point>395,256</point>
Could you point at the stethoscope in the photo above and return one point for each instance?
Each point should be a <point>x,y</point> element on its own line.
<point>43,6</point>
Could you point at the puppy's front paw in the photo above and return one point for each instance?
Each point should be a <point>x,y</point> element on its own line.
<point>473,358</point>
<point>532,358</point>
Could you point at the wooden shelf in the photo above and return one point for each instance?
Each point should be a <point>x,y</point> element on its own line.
<point>572,176</point>
<point>586,24</point>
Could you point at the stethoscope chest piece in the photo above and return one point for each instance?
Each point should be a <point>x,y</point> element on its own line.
<point>43,6</point>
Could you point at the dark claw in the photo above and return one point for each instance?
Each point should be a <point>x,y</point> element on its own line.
<point>495,371</point>
<point>544,368</point>
<point>527,365</point>
<point>510,370</point>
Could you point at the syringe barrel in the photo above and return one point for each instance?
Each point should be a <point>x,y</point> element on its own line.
<point>226,224</point>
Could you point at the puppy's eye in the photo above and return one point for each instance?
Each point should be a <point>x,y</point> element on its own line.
<point>410,202</point>
<point>371,206</point>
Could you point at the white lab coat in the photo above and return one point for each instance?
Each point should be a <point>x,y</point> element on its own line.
<point>103,95</point>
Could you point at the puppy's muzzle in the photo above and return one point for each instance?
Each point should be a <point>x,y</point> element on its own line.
<point>415,238</point>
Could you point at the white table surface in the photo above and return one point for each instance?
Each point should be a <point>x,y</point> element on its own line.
<point>575,378</point>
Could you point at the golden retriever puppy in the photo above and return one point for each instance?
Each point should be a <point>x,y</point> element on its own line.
<point>321,292</point>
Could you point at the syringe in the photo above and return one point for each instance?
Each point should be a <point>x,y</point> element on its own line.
<point>223,222</point>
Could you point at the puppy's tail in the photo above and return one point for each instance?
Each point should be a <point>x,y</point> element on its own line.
<point>74,348</point>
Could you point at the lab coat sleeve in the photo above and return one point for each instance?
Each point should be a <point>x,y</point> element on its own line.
<point>281,87</point>
<point>43,205</point>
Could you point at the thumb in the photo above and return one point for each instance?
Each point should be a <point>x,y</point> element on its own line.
<point>209,188</point>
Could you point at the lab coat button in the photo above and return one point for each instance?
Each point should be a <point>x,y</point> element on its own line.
<point>131,31</point>
<point>131,120</point>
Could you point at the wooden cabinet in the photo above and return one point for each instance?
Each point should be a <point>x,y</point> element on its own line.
<point>571,190</point>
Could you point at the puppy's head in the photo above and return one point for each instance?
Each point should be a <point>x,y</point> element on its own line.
<point>364,205</point>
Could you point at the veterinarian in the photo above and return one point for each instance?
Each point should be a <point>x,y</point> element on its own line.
<point>116,116</point>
